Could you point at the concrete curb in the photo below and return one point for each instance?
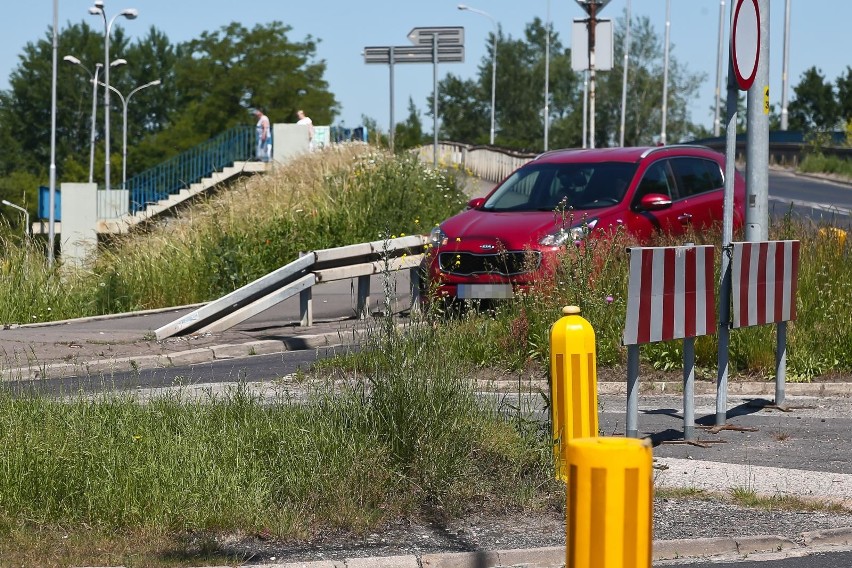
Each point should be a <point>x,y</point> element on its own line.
<point>747,388</point>
<point>196,356</point>
<point>554,556</point>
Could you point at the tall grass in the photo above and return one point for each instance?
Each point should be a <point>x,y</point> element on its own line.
<point>594,276</point>
<point>817,162</point>
<point>345,194</point>
<point>401,432</point>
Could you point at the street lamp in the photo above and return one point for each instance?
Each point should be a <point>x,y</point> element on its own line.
<point>93,77</point>
<point>493,59</point>
<point>130,14</point>
<point>666,72</point>
<point>124,103</point>
<point>22,210</point>
<point>547,81</point>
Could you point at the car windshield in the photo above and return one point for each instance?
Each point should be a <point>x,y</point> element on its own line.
<point>546,187</point>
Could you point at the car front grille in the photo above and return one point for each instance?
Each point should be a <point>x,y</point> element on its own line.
<point>503,263</point>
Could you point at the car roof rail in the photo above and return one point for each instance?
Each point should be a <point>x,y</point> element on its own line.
<point>556,151</point>
<point>653,149</point>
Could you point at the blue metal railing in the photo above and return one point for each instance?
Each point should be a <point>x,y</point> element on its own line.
<point>191,166</point>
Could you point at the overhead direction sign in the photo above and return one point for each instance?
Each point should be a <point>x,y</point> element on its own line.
<point>414,54</point>
<point>447,35</point>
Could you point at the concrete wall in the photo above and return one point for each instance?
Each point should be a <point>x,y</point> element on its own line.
<point>288,141</point>
<point>79,211</point>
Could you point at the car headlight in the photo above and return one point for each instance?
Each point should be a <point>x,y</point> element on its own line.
<point>575,233</point>
<point>437,237</point>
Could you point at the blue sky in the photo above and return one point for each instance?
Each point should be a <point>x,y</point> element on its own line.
<point>346,27</point>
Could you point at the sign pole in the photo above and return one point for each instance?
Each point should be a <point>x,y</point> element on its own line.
<point>392,124</point>
<point>435,99</point>
<point>757,138</point>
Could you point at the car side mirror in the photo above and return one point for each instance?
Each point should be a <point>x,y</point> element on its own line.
<point>654,202</point>
<point>476,203</point>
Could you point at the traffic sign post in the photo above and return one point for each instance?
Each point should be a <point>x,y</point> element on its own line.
<point>431,45</point>
<point>749,55</point>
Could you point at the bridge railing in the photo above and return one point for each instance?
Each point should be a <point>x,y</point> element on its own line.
<point>486,162</point>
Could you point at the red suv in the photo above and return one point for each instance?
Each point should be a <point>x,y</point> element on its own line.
<point>502,241</point>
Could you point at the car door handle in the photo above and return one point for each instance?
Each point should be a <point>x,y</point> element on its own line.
<point>685,218</point>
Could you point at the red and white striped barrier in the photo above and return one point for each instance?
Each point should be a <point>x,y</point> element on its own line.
<point>670,294</point>
<point>764,281</point>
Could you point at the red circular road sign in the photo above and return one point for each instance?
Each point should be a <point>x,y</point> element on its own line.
<point>745,42</point>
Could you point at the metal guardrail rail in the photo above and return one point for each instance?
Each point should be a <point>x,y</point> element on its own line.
<point>234,145</point>
<point>299,277</point>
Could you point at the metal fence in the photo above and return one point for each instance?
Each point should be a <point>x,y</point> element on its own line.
<point>485,162</point>
<point>181,171</point>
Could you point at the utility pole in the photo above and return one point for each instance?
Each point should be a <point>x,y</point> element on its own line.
<point>592,7</point>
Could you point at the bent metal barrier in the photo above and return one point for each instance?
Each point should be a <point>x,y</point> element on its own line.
<point>298,277</point>
<point>670,295</point>
<point>765,277</point>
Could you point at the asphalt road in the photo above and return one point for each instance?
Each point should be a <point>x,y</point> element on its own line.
<point>819,200</point>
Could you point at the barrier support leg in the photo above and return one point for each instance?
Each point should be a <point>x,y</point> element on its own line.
<point>306,307</point>
<point>363,304</point>
<point>632,391</point>
<point>689,389</point>
<point>414,278</point>
<point>780,362</point>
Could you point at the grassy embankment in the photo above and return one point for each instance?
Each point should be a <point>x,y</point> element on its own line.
<point>392,432</point>
<point>113,481</point>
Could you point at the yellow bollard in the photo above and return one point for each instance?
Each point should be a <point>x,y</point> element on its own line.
<point>609,500</point>
<point>573,382</point>
<point>838,235</point>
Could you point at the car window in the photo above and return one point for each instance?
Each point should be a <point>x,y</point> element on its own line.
<point>656,179</point>
<point>545,187</point>
<point>696,175</point>
<point>516,192</point>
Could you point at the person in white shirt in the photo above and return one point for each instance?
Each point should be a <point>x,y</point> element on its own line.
<point>310,124</point>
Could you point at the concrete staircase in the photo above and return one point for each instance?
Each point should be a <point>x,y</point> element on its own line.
<point>127,222</point>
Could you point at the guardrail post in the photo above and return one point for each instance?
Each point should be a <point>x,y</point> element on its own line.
<point>573,383</point>
<point>306,305</point>
<point>609,500</point>
<point>362,306</point>
<point>414,279</point>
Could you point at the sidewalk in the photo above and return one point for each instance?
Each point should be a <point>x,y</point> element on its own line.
<point>126,342</point>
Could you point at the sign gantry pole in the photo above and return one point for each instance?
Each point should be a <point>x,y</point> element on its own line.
<point>431,45</point>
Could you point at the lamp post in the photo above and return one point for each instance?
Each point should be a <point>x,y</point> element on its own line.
<point>22,210</point>
<point>624,76</point>
<point>666,72</point>
<point>547,81</point>
<point>124,102</point>
<point>130,14</point>
<point>717,125</point>
<point>94,79</point>
<point>493,59</point>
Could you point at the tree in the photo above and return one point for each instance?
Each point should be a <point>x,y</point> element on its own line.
<point>643,113</point>
<point>520,96</point>
<point>409,134</point>
<point>813,106</point>
<point>844,96</point>
<point>463,111</point>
